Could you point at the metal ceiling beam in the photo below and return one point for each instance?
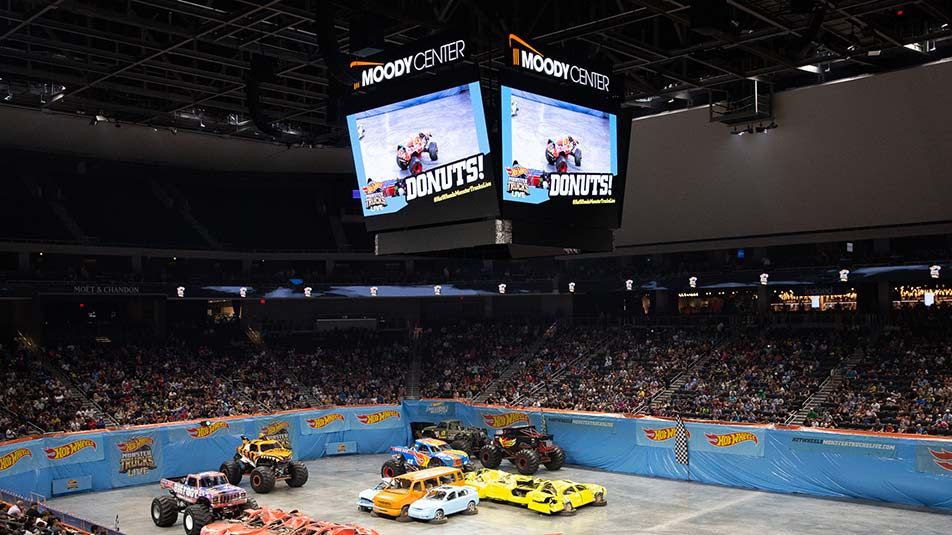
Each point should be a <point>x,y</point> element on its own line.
<point>26,22</point>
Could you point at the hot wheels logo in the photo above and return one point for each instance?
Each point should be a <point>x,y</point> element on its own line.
<point>505,419</point>
<point>275,428</point>
<point>663,433</point>
<point>66,450</point>
<point>135,444</point>
<point>12,458</point>
<point>207,430</point>
<point>377,417</point>
<point>324,421</point>
<point>942,458</point>
<point>730,439</point>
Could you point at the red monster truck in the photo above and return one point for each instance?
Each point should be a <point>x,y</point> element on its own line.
<point>557,152</point>
<point>410,154</point>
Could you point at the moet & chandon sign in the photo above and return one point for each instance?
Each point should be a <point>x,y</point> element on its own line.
<point>375,72</point>
<point>527,57</point>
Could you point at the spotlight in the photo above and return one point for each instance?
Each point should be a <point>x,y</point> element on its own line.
<point>373,291</point>
<point>692,282</point>
<point>763,279</point>
<point>934,271</point>
<point>502,288</point>
<point>307,291</point>
<point>437,290</point>
<point>844,275</point>
<point>629,284</point>
<point>572,287</point>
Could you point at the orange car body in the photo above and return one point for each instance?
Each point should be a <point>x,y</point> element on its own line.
<point>267,521</point>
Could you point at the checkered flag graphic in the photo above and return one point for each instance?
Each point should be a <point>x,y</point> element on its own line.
<point>681,454</point>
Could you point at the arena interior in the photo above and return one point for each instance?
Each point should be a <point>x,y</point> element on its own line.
<point>307,267</point>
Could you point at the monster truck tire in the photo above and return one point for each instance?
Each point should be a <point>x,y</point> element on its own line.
<point>298,472</point>
<point>392,468</point>
<point>561,164</point>
<point>433,150</point>
<point>460,444</point>
<point>164,511</point>
<point>232,471</point>
<point>527,461</point>
<point>490,456</point>
<point>469,467</point>
<point>196,517</point>
<point>262,479</point>
<point>578,157</point>
<point>250,504</point>
<point>556,459</point>
<point>416,165</point>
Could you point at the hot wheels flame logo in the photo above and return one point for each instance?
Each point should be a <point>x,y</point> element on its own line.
<point>730,439</point>
<point>66,450</point>
<point>377,417</point>
<point>663,433</point>
<point>206,430</point>
<point>134,444</point>
<point>274,428</point>
<point>942,458</point>
<point>12,458</point>
<point>505,419</point>
<point>324,421</point>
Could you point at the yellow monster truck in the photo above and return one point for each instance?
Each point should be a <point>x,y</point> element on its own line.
<point>267,461</point>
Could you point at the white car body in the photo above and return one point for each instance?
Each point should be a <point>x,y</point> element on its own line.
<point>444,501</point>
<point>365,500</point>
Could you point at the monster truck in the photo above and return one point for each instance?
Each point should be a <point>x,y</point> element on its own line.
<point>524,447</point>
<point>201,498</point>
<point>424,453</point>
<point>460,437</point>
<point>267,461</point>
<point>557,152</point>
<point>410,154</point>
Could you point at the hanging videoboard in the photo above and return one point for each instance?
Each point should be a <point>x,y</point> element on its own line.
<point>418,134</point>
<point>559,140</point>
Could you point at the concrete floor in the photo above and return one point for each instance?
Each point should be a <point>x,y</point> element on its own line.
<point>635,505</point>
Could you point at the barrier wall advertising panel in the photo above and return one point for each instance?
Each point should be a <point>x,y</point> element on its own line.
<point>898,469</point>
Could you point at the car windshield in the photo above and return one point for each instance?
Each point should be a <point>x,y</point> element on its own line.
<point>213,481</point>
<point>436,494</point>
<point>266,447</point>
<point>399,484</point>
<point>382,485</point>
<point>438,447</point>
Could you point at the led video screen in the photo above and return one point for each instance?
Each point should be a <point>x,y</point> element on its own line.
<point>424,160</point>
<point>561,158</point>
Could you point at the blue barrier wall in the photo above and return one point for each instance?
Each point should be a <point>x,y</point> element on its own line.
<point>908,471</point>
<point>145,455</point>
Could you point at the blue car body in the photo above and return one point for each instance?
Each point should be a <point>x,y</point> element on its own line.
<point>422,452</point>
<point>446,499</point>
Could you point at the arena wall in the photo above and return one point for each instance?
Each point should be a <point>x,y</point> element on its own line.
<point>871,153</point>
<point>901,469</point>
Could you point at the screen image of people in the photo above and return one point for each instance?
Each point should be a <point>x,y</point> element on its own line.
<point>421,150</point>
<point>555,148</point>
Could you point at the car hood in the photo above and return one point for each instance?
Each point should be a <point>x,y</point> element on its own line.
<point>453,456</point>
<point>426,503</point>
<point>226,489</point>
<point>368,494</point>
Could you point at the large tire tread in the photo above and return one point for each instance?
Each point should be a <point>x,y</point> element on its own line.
<point>298,473</point>
<point>556,459</point>
<point>167,510</point>
<point>262,479</point>
<point>232,471</point>
<point>490,456</point>
<point>527,461</point>
<point>201,515</point>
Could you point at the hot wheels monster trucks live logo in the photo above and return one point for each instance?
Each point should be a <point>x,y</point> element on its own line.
<point>727,440</point>
<point>135,457</point>
<point>67,450</point>
<point>662,434</point>
<point>377,417</point>
<point>205,431</point>
<point>277,431</point>
<point>324,421</point>
<point>12,458</point>
<point>505,419</point>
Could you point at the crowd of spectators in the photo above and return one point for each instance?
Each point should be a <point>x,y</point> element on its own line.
<point>460,361</point>
<point>21,518</point>
<point>763,378</point>
<point>33,401</point>
<point>903,385</point>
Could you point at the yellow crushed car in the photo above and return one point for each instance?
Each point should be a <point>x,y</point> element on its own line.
<point>541,495</point>
<point>563,496</point>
